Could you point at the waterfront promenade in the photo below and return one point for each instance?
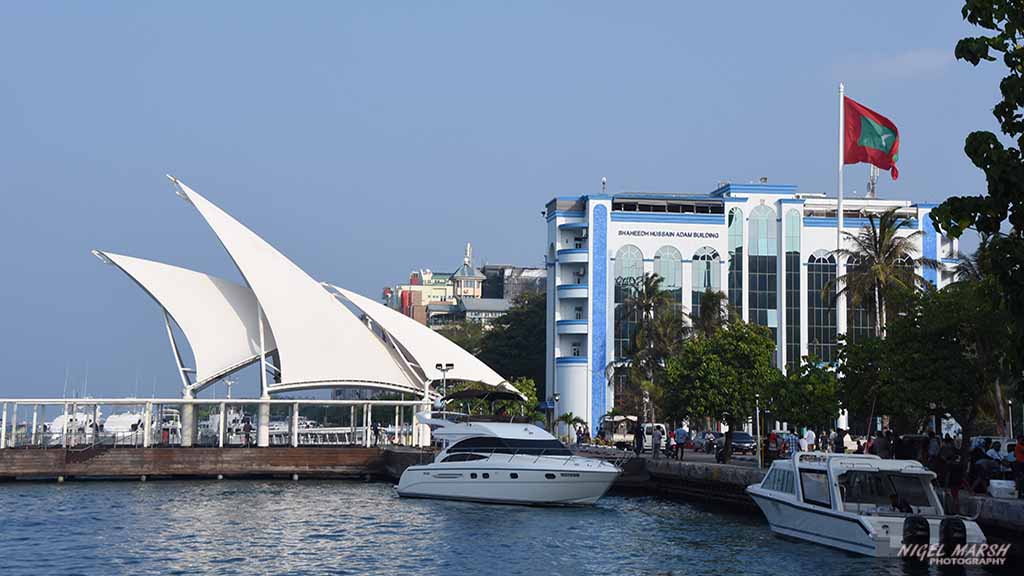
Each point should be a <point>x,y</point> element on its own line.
<point>697,477</point>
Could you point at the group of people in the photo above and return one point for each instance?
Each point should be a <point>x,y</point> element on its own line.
<point>784,443</point>
<point>987,459</point>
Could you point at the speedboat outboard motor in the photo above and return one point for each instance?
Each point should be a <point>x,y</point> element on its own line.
<point>916,532</point>
<point>952,533</point>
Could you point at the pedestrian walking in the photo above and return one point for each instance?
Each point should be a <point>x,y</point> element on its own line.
<point>638,439</point>
<point>682,437</point>
<point>656,442</point>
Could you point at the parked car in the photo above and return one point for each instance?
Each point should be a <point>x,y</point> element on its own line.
<point>742,442</point>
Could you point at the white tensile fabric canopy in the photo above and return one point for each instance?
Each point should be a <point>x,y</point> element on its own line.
<point>219,318</point>
<point>425,345</point>
<point>319,342</point>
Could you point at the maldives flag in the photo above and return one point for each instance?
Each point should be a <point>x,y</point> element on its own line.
<point>869,137</point>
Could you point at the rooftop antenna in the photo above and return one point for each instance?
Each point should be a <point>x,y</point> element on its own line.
<point>604,185</point>
<point>872,180</point>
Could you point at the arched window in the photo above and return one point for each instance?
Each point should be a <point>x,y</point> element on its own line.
<point>860,313</point>
<point>707,275</point>
<point>629,272</point>
<point>762,297</point>
<point>792,288</point>
<point>736,260</point>
<point>668,263</point>
<point>821,308</point>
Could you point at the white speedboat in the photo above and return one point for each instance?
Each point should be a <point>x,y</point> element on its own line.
<point>506,463</point>
<point>860,503</point>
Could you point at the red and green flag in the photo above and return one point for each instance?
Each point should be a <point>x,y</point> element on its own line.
<point>869,137</point>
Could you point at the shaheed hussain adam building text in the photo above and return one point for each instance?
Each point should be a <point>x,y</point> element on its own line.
<point>767,246</point>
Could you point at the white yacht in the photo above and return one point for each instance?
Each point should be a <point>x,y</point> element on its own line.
<point>857,502</point>
<point>503,462</point>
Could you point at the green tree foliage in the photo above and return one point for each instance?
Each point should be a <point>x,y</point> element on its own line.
<point>719,375</point>
<point>514,344</point>
<point>868,381</point>
<point>886,265</point>
<point>949,350</point>
<point>808,396</point>
<point>467,335</point>
<point>1003,21</point>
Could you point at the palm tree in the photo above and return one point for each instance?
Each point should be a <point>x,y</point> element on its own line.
<point>659,329</point>
<point>886,263</point>
<point>709,317</point>
<point>972,268</point>
<point>570,420</point>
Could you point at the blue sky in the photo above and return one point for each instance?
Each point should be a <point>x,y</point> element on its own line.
<point>367,139</point>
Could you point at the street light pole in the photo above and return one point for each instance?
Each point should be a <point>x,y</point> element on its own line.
<point>1011,420</point>
<point>444,368</point>
<point>757,427</point>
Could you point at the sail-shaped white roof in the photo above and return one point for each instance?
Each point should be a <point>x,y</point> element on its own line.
<point>319,343</point>
<point>219,318</point>
<point>425,345</point>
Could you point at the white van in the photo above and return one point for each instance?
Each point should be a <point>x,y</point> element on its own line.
<point>648,434</point>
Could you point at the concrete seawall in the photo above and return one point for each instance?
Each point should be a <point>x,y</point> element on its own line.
<point>135,463</point>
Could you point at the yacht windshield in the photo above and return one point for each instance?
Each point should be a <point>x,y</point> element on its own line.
<point>493,444</point>
<point>882,489</point>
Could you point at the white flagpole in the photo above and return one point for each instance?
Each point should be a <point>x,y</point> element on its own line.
<point>842,144</point>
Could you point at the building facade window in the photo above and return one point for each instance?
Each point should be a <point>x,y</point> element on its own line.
<point>860,315</point>
<point>629,271</point>
<point>793,262</point>
<point>821,307</point>
<point>762,294</point>
<point>736,260</point>
<point>668,263</point>
<point>707,275</point>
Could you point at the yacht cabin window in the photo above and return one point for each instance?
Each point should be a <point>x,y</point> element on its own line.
<point>493,444</point>
<point>814,485</point>
<point>463,457</point>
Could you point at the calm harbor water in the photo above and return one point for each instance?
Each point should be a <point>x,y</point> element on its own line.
<point>310,527</point>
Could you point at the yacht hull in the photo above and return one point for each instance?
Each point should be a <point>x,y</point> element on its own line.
<point>555,486</point>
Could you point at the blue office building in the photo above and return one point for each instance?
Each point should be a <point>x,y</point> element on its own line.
<point>767,246</point>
